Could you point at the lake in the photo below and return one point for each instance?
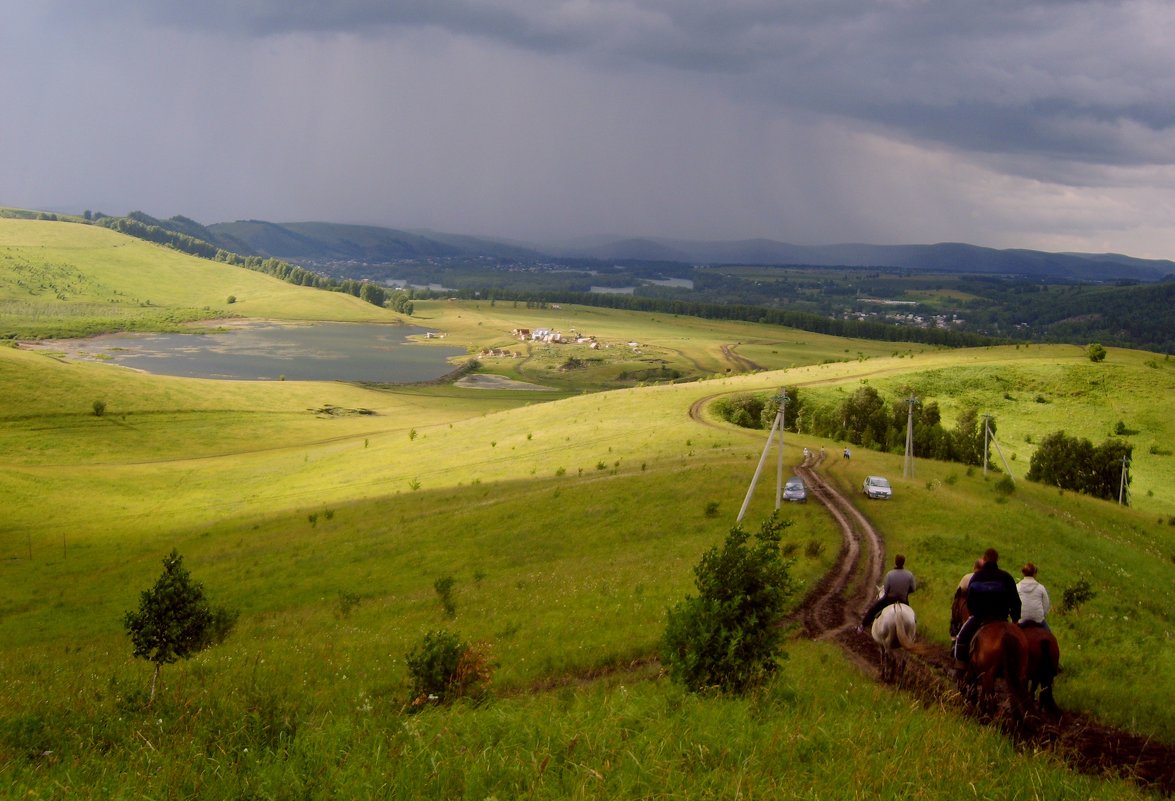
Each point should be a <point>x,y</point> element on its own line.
<point>272,351</point>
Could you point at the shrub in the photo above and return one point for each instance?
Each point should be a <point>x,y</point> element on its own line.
<point>1005,486</point>
<point>1076,595</point>
<point>347,602</point>
<point>728,636</point>
<point>442,668</point>
<point>1095,352</point>
<point>99,408</point>
<point>711,508</point>
<point>444,588</point>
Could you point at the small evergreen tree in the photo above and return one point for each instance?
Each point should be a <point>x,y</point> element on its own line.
<point>728,636</point>
<point>174,619</point>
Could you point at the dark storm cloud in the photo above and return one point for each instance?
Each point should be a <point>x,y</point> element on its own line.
<point>1018,124</point>
<point>1066,79</point>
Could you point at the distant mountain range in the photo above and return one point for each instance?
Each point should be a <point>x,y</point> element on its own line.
<point>318,241</point>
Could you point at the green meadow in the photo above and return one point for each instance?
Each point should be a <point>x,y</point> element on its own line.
<point>569,521</point>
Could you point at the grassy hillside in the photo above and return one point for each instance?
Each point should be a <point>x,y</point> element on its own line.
<point>70,279</point>
<point>568,527</point>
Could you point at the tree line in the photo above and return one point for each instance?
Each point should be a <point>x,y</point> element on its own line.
<point>1076,464</point>
<point>867,420</point>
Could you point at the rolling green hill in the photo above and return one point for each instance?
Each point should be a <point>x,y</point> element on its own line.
<point>569,521</point>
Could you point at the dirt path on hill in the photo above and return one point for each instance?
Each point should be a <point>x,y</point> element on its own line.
<point>740,363</point>
<point>836,604</point>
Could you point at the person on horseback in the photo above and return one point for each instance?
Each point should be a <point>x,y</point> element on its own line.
<point>966,580</point>
<point>960,600</point>
<point>991,595</point>
<point>1034,599</point>
<point>899,583</point>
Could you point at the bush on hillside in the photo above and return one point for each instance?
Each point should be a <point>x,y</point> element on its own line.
<point>728,636</point>
<point>1076,595</point>
<point>442,668</point>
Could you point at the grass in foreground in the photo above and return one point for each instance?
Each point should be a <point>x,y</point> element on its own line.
<point>818,731</point>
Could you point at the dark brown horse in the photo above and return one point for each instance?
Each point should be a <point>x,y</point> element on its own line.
<point>1044,659</point>
<point>959,611</point>
<point>999,649</point>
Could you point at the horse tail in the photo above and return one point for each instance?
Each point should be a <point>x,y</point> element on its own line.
<point>1047,670</point>
<point>1016,666</point>
<point>906,638</point>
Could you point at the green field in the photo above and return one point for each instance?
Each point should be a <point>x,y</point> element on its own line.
<point>569,522</point>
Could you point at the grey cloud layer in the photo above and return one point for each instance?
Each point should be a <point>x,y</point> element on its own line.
<point>1072,80</point>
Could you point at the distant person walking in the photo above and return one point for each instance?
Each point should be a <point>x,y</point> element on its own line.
<point>848,453</point>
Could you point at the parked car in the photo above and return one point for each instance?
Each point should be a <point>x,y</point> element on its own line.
<point>794,490</point>
<point>877,487</point>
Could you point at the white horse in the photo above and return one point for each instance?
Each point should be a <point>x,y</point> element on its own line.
<point>893,631</point>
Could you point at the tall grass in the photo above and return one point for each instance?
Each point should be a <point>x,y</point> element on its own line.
<point>257,729</point>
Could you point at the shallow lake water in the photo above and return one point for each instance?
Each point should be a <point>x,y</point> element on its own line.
<point>260,351</point>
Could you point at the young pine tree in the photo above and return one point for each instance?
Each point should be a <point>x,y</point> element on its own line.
<point>174,619</point>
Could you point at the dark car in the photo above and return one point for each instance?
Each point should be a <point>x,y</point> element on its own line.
<point>794,490</point>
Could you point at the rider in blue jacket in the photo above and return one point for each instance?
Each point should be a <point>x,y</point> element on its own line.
<point>991,595</point>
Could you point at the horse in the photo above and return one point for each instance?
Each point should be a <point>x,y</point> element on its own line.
<point>893,630</point>
<point>959,611</point>
<point>1044,659</point>
<point>999,649</point>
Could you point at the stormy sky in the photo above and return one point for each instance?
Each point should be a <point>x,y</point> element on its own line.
<point>1045,124</point>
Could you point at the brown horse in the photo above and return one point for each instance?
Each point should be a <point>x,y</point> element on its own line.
<point>959,611</point>
<point>1044,659</point>
<point>999,649</point>
<point>1044,656</point>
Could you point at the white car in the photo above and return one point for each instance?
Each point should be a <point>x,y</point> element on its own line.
<point>877,487</point>
<point>794,490</point>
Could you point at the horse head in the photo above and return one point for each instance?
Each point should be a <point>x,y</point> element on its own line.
<point>959,611</point>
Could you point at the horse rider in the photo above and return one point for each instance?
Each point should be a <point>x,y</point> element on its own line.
<point>991,596</point>
<point>966,580</point>
<point>1034,599</point>
<point>961,592</point>
<point>896,589</point>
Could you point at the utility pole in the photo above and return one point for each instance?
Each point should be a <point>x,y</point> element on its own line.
<point>775,426</point>
<point>986,434</point>
<point>986,437</point>
<point>1122,482</point>
<point>908,470</point>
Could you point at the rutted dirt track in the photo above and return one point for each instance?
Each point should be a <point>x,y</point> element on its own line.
<point>834,607</point>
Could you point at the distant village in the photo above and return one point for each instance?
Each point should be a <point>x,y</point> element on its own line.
<point>549,336</point>
<point>905,318</point>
